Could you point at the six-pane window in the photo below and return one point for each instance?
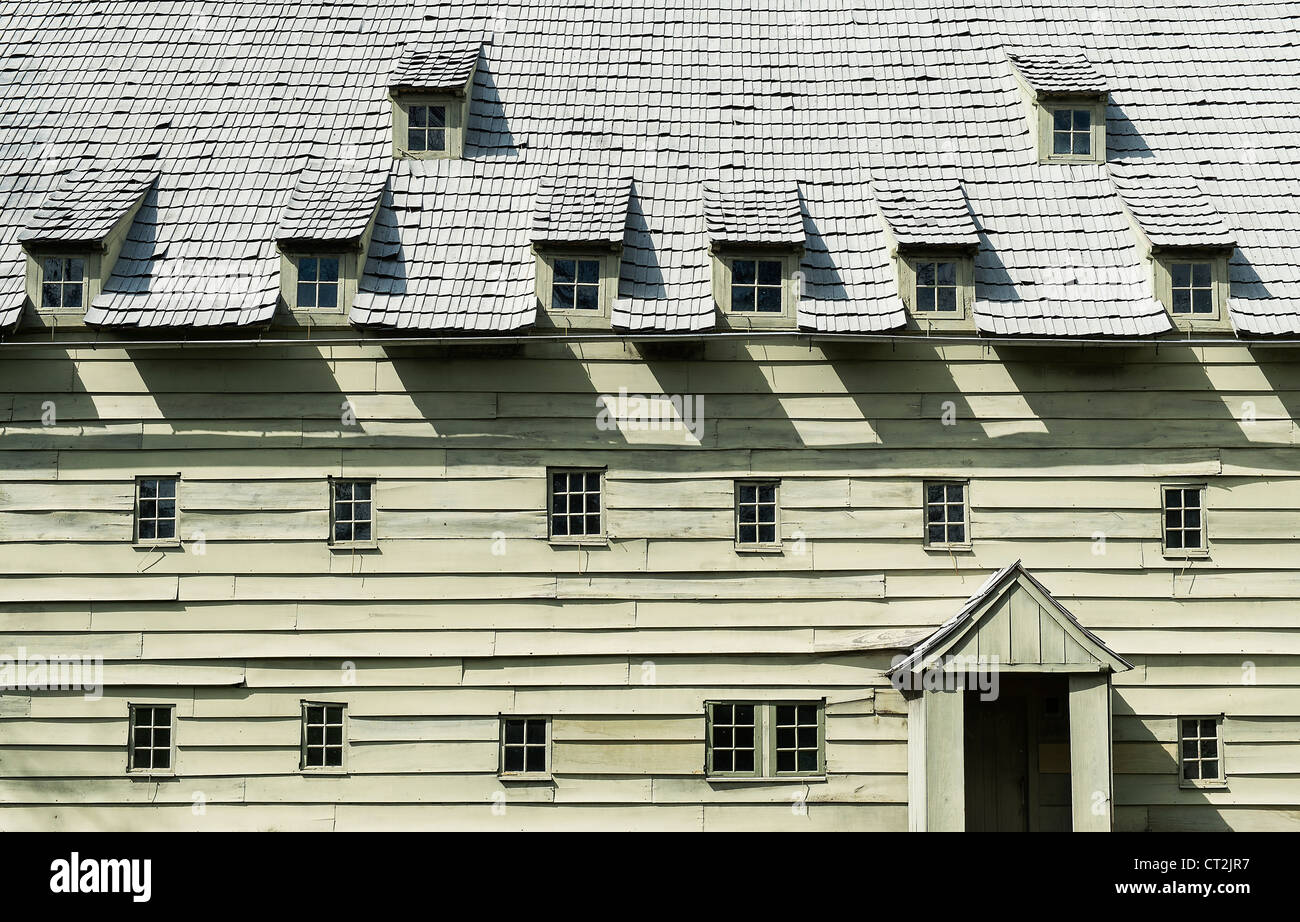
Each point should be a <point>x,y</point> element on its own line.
<point>945,514</point>
<point>756,286</point>
<point>1200,753</point>
<point>936,286</point>
<point>764,739</point>
<point>524,745</point>
<point>63,282</point>
<point>426,128</point>
<point>1192,288</point>
<point>1184,518</point>
<point>1072,131</point>
<point>151,737</point>
<point>575,284</point>
<point>155,509</point>
<point>575,504</point>
<point>318,282</point>
<point>322,735</point>
<point>354,513</point>
<point>756,513</point>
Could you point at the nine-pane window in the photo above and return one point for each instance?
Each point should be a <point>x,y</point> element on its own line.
<point>1184,518</point>
<point>1072,131</point>
<point>756,286</point>
<point>354,512</point>
<point>575,284</point>
<point>575,504</point>
<point>524,745</point>
<point>936,286</point>
<point>322,735</point>
<point>155,509</point>
<point>426,128</point>
<point>1192,288</point>
<point>756,513</point>
<point>151,737</point>
<point>764,739</point>
<point>318,281</point>
<point>945,514</point>
<point>63,282</point>
<point>1199,749</point>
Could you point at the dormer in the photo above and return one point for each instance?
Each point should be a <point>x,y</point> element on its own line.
<point>73,240</point>
<point>430,90</point>
<point>1065,100</point>
<point>579,222</point>
<point>1186,243</point>
<point>933,240</point>
<point>756,243</point>
<point>323,235</point>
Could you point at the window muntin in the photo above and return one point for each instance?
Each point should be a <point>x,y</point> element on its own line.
<point>765,739</point>
<point>1072,132</point>
<point>426,128</point>
<point>150,744</point>
<point>757,513</point>
<point>63,283</point>
<point>1184,518</point>
<point>945,514</point>
<point>155,509</point>
<point>575,284</point>
<point>936,287</point>
<point>575,504</point>
<point>525,746</point>
<point>318,282</point>
<point>352,511</point>
<point>756,286</point>
<point>322,735</point>
<point>1191,288</point>
<point>1200,751</point>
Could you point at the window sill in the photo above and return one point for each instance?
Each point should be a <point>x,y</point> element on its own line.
<point>323,772</point>
<point>157,545</point>
<point>950,548</point>
<point>1203,785</point>
<point>1185,555</point>
<point>140,774</point>
<point>349,548</point>
<point>779,779</point>
<point>770,549</point>
<point>579,542</point>
<point>534,777</point>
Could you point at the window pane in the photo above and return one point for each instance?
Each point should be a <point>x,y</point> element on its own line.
<point>1201,274</point>
<point>76,270</point>
<point>565,271</point>
<point>1202,301</point>
<point>1181,274</point>
<point>1182,301</point>
<point>53,270</point>
<point>926,274</point>
<point>769,272</point>
<point>415,139</point>
<point>329,270</point>
<point>562,297</point>
<point>536,761</point>
<point>536,731</point>
<point>437,140</point>
<point>743,272</point>
<point>419,116</point>
<point>946,273</point>
<point>588,298</point>
<point>769,300</point>
<point>307,269</point>
<point>71,296</point>
<point>329,295</point>
<point>588,272</point>
<point>742,299</point>
<point>925,299</point>
<point>1061,120</point>
<point>1082,120</point>
<point>50,295</point>
<point>1060,142</point>
<point>947,299</point>
<point>1082,143</point>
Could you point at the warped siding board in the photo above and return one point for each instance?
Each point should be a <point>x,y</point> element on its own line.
<point>77,525</point>
<point>364,588</point>
<point>80,646</point>
<point>77,732</point>
<point>442,788</point>
<point>215,733</point>
<point>1193,669</point>
<point>1185,819</point>
<point>1249,790</point>
<point>41,496</point>
<point>674,701</point>
<point>994,462</point>
<point>113,703</point>
<point>628,729</point>
<point>645,642</point>
<point>367,758</point>
<point>521,817</point>
<point>888,757</point>
<point>441,615</point>
<point>842,788</point>
<point>501,494</point>
<point>1103,405</point>
<point>1244,701</point>
<point>102,436</point>
<point>396,729</point>
<point>119,790</point>
<point>550,671</point>
<point>604,789</point>
<point>375,702</point>
<point>819,818</point>
<point>1194,641</point>
<point>172,818</point>
<point>861,586</point>
<point>233,465</point>
<point>350,669</point>
<point>27,465</point>
<point>254,406</point>
<point>343,645</point>
<point>657,758</point>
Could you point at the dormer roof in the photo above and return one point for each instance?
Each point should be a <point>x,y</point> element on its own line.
<point>1057,72</point>
<point>332,202</point>
<point>1171,209</point>
<point>88,204</point>
<point>437,65</point>
<point>926,209</point>
<point>585,205</point>
<point>758,209</point>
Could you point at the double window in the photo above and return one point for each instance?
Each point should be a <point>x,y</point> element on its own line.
<point>155,510</point>
<point>575,504</point>
<point>149,748</point>
<point>322,735</point>
<point>765,739</point>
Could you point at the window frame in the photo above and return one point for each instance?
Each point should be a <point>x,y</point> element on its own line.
<point>757,547</point>
<point>1162,263</point>
<point>925,515</point>
<point>131,767</point>
<point>348,263</point>
<point>547,773</point>
<point>1183,552</point>
<point>1047,106</point>
<point>791,260</point>
<point>373,540</point>
<point>765,742</point>
<point>175,540</point>
<point>342,767</point>
<point>963,317</point>
<point>1217,783</point>
<point>456,105</point>
<point>610,261</point>
<point>601,540</point>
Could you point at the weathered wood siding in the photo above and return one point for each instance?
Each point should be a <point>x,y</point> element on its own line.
<point>465,611</point>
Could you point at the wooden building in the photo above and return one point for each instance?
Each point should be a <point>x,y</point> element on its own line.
<point>658,415</point>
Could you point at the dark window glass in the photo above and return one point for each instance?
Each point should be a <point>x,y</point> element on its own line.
<point>322,736</point>
<point>523,744</point>
<point>353,511</point>
<point>945,513</point>
<point>575,504</point>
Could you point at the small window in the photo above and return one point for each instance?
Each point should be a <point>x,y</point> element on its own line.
<point>765,739</point>
<point>318,282</point>
<point>575,503</point>
<point>757,509</point>
<point>150,745</point>
<point>756,286</point>
<point>322,735</point>
<point>63,283</point>
<point>1200,752</point>
<point>946,518</point>
<point>155,510</point>
<point>936,287</point>
<point>353,511</point>
<point>1191,288</point>
<point>1184,520</point>
<point>426,129</point>
<point>575,285</point>
<point>525,746</point>
<point>1072,132</point>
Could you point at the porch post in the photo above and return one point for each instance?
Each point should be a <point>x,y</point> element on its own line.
<point>1090,752</point>
<point>945,768</point>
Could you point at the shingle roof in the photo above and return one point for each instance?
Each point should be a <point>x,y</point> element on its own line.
<point>926,208</point>
<point>760,208</point>
<point>587,205</point>
<point>1171,210</point>
<point>333,200</point>
<point>1056,71</point>
<point>442,63</point>
<point>89,204</point>
<point>828,95</point>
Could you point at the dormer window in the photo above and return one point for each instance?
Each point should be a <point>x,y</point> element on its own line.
<point>757,286</point>
<point>430,89</point>
<point>1065,97</point>
<point>63,283</point>
<point>937,286</point>
<point>1071,131</point>
<point>1193,287</point>
<point>426,129</point>
<point>576,286</point>
<point>318,282</point>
